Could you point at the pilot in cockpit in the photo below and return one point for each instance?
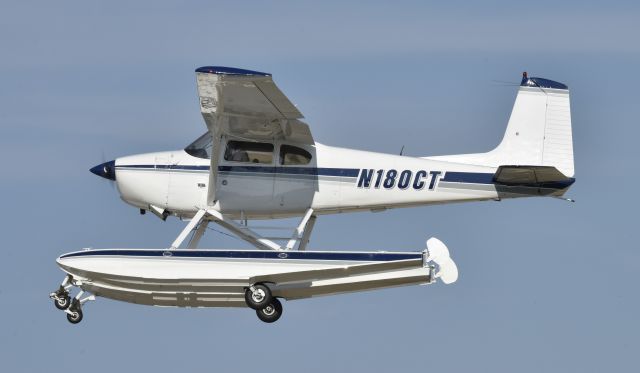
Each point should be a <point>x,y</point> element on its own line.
<point>239,155</point>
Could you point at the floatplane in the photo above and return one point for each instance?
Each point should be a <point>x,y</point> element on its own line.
<point>259,160</point>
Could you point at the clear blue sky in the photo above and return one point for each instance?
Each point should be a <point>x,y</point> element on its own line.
<point>545,285</point>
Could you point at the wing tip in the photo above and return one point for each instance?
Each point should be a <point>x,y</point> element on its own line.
<point>222,70</point>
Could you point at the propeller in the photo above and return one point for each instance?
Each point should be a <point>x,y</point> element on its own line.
<point>439,254</point>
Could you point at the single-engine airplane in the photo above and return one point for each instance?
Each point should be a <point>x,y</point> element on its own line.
<point>258,160</point>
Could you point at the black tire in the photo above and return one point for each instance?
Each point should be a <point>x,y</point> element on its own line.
<point>272,312</point>
<point>76,316</point>
<point>260,299</point>
<point>62,302</point>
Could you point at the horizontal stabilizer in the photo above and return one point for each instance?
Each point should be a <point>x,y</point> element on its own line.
<point>532,176</point>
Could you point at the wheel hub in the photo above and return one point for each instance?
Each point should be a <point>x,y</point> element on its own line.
<point>258,295</point>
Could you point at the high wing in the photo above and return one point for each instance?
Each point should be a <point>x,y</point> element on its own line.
<point>249,105</point>
<point>246,105</point>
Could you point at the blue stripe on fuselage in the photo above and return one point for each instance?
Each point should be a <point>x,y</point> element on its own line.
<point>315,171</point>
<point>450,176</point>
<point>468,177</point>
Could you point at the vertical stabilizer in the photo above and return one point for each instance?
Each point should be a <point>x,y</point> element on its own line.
<point>538,132</point>
<point>539,129</point>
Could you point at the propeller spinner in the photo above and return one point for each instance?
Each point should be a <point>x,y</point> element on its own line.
<point>106,170</point>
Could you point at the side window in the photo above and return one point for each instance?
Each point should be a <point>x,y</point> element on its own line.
<point>292,155</point>
<point>249,152</point>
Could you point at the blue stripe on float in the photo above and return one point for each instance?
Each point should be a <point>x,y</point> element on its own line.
<point>468,177</point>
<point>246,254</point>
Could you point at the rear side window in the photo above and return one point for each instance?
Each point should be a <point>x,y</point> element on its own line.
<point>249,152</point>
<point>292,155</point>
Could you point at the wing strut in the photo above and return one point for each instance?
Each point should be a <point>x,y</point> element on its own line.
<point>213,166</point>
<point>212,110</point>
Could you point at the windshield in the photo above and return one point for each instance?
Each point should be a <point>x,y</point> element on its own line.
<point>202,147</point>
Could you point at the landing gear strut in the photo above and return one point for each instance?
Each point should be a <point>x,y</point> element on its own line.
<point>74,312</point>
<point>258,296</point>
<point>61,298</point>
<point>71,306</point>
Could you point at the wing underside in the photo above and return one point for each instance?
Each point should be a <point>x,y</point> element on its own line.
<point>248,104</point>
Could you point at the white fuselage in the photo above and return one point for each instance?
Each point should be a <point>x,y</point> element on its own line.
<point>335,180</point>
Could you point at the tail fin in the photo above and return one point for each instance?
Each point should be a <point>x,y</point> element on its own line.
<point>539,129</point>
<point>538,132</point>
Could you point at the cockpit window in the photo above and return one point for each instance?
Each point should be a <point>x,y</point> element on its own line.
<point>292,155</point>
<point>202,147</point>
<point>249,152</point>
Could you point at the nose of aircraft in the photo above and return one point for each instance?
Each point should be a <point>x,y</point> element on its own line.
<point>106,170</point>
